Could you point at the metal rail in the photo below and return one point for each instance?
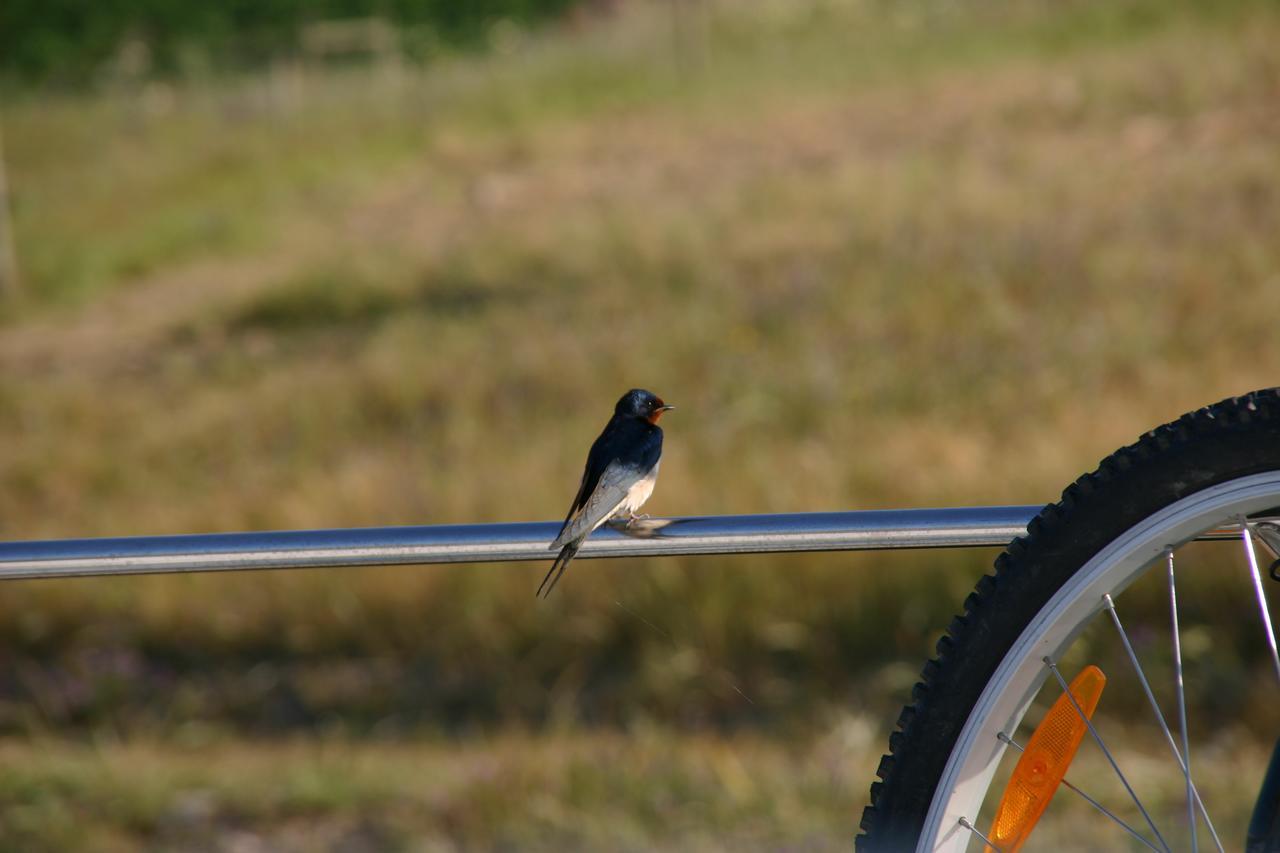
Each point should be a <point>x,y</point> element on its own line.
<point>480,543</point>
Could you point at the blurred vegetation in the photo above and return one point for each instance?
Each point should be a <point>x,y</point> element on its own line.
<point>64,41</point>
<point>552,792</point>
<point>916,254</point>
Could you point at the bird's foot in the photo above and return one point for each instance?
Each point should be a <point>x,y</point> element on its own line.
<point>632,518</point>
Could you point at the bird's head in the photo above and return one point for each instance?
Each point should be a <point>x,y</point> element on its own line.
<point>642,405</point>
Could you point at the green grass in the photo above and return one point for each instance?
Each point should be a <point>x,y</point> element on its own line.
<point>323,792</point>
<point>879,256</point>
<point>111,188</point>
<point>552,791</point>
<point>963,284</point>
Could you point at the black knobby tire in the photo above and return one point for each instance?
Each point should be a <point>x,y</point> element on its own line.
<point>1231,439</point>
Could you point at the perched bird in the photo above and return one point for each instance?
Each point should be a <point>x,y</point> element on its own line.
<point>621,470</point>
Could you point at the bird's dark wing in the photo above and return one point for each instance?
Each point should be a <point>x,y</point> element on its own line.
<point>597,460</point>
<point>601,505</point>
<point>581,497</point>
<point>623,455</point>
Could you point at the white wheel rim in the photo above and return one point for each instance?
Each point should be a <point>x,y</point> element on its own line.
<point>977,753</point>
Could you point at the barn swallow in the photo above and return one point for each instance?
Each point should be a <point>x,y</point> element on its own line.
<point>621,470</point>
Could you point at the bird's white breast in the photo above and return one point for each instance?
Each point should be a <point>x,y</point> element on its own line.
<point>639,491</point>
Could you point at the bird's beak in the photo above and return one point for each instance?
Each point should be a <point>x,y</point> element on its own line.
<point>659,412</point>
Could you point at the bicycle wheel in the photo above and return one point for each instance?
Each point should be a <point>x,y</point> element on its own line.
<point>1213,472</point>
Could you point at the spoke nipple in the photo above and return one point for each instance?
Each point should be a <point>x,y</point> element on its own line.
<point>1005,739</point>
<point>1106,597</point>
<point>964,821</point>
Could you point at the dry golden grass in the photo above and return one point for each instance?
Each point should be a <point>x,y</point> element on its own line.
<point>555,791</point>
<point>991,277</point>
<point>642,789</point>
<point>878,258</point>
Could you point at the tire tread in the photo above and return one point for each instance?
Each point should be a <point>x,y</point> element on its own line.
<point>886,822</point>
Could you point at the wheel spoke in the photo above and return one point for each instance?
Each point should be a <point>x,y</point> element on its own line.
<point>965,823</point>
<point>1053,667</point>
<point>1182,705</point>
<point>1004,738</point>
<point>1043,601</point>
<point>1155,709</point>
<point>1247,535</point>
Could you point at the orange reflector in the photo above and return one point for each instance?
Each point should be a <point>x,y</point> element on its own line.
<point>1044,762</point>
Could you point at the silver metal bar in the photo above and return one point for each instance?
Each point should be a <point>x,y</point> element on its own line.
<point>477,543</point>
<point>992,526</point>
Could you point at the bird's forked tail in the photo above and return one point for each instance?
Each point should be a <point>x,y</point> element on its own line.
<point>567,553</point>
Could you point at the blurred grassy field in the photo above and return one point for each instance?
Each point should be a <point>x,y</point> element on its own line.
<point>551,792</point>
<point>912,255</point>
